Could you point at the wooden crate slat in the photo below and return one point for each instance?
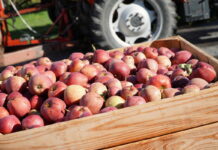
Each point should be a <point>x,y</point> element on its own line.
<point>204,137</point>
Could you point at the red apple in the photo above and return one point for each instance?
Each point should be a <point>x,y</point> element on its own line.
<point>143,75</point>
<point>73,94</point>
<point>170,92</point>
<point>19,106</point>
<point>128,91</point>
<point>132,79</point>
<point>59,68</point>
<point>50,75</point>
<point>77,65</point>
<point>32,121</point>
<point>115,101</point>
<point>129,60</point>
<point>64,76</point>
<point>141,48</point>
<point>120,69</point>
<point>78,112</point>
<point>41,69</point>
<point>77,78</point>
<point>126,83</point>
<point>151,52</point>
<point>130,50</point>
<point>93,101</point>
<point>53,109</point>
<point>112,91</point>
<point>98,88</point>
<point>44,61</point>
<point>5,74</point>
<point>205,71</point>
<point>193,62</point>
<point>166,52</point>
<point>36,102</point>
<point>178,72</point>
<point>90,71</point>
<point>11,68</point>
<point>3,112</point>
<point>114,83</point>
<point>89,56</point>
<point>138,57</point>
<point>150,93</point>
<point>116,54</point>
<point>163,60</point>
<point>201,83</point>
<point>14,95</point>
<point>191,88</point>
<point>101,56</point>
<point>57,89</point>
<point>150,64</point>
<point>160,81</point>
<point>28,72</point>
<point>162,69</point>
<point>139,86</point>
<point>15,83</point>
<point>99,67</point>
<point>67,62</point>
<point>9,124</point>
<point>134,100</point>
<point>76,55</point>
<point>39,84</point>
<point>2,99</point>
<point>181,57</point>
<point>108,109</point>
<point>103,76</point>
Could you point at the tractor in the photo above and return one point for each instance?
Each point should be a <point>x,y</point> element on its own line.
<point>106,24</point>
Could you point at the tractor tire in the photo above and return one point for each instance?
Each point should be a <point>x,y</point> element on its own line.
<point>121,23</point>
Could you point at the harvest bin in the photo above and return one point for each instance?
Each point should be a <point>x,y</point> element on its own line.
<point>188,121</point>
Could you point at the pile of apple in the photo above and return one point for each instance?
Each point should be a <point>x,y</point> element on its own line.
<point>45,92</point>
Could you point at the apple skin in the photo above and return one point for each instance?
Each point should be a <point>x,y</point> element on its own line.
<point>58,68</point>
<point>132,79</point>
<point>93,101</point>
<point>101,56</point>
<point>191,88</point>
<point>205,71</point>
<point>129,50</point>
<point>64,76</point>
<point>201,83</point>
<point>89,71</point>
<point>98,88</point>
<point>108,109</point>
<point>3,112</point>
<point>129,60</point>
<point>160,81</point>
<point>51,75</point>
<point>32,121</point>
<point>162,69</point>
<point>180,82</point>
<point>14,95</point>
<point>5,74</point>
<point>28,72</point>
<point>139,86</point>
<point>170,92</point>
<point>15,83</point>
<point>134,100</point>
<point>12,69</point>
<point>150,93</point>
<point>36,102</point>
<point>39,84</point>
<point>57,89</point>
<point>53,109</point>
<point>76,65</point>
<point>44,61</point>
<point>116,54</point>
<point>103,77</point>
<point>41,69</point>
<point>120,69</point>
<point>19,106</point>
<point>138,57</point>
<point>76,112</point>
<point>143,75</point>
<point>151,52</point>
<point>9,124</point>
<point>73,94</point>
<point>115,101</point>
<point>178,72</point>
<point>126,83</point>
<point>76,55</point>
<point>150,64</point>
<point>128,91</point>
<point>76,78</point>
<point>181,57</point>
<point>166,52</point>
<point>163,60</point>
<point>193,62</point>
<point>99,67</point>
<point>3,97</point>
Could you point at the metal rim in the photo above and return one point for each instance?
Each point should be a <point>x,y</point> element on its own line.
<point>135,21</point>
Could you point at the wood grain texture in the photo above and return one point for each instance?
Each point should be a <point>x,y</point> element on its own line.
<point>122,126</point>
<point>204,138</point>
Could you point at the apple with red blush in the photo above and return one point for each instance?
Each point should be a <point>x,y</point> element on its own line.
<point>9,124</point>
<point>134,100</point>
<point>151,52</point>
<point>32,121</point>
<point>76,112</point>
<point>3,112</point>
<point>58,67</point>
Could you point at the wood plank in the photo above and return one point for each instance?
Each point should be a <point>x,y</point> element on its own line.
<point>204,137</point>
<point>122,126</point>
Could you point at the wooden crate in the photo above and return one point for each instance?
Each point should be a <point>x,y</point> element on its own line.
<point>188,121</point>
